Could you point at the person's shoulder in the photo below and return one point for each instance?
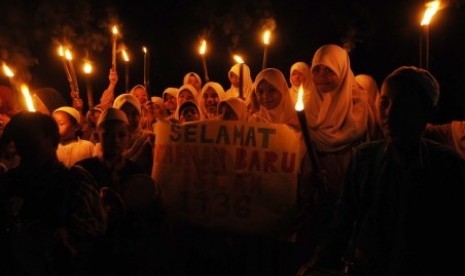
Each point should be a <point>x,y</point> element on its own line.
<point>440,151</point>
<point>86,143</point>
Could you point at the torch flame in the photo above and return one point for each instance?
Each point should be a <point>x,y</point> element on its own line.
<point>27,98</point>
<point>144,49</point>
<point>8,72</point>
<point>431,9</point>
<point>238,59</point>
<point>125,55</point>
<point>266,37</point>
<point>203,47</point>
<point>87,68</point>
<point>299,105</point>
<point>114,30</point>
<point>68,54</point>
<point>61,51</point>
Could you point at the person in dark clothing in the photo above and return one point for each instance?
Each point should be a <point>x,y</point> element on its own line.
<point>399,210</point>
<point>36,201</point>
<point>130,244</point>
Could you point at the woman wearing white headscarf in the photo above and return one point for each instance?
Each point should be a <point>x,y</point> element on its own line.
<point>275,104</point>
<point>337,108</point>
<point>233,109</point>
<point>142,96</point>
<point>159,108</point>
<point>337,117</point>
<point>170,99</point>
<point>193,79</point>
<point>212,93</point>
<point>188,111</point>
<point>299,75</point>
<point>187,92</point>
<point>247,82</point>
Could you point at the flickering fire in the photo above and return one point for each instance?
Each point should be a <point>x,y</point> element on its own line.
<point>203,47</point>
<point>238,59</point>
<point>299,105</point>
<point>27,98</point>
<point>68,54</point>
<point>266,37</point>
<point>114,30</point>
<point>125,55</point>
<point>61,51</point>
<point>87,68</point>
<point>8,72</point>
<point>431,9</point>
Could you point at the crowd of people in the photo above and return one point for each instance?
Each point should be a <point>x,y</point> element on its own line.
<point>378,193</point>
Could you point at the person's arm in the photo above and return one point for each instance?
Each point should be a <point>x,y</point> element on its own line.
<point>108,95</point>
<point>329,254</point>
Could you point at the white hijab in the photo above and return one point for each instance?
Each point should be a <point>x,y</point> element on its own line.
<point>303,68</point>
<point>337,119</point>
<point>201,101</point>
<point>247,82</point>
<point>189,88</point>
<point>239,106</point>
<point>284,113</point>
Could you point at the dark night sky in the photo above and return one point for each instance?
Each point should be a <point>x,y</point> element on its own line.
<point>382,35</point>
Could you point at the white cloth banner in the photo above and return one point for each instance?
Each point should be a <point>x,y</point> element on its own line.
<point>235,176</point>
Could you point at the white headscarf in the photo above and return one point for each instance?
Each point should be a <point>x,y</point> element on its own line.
<point>186,104</point>
<point>247,82</point>
<point>189,88</point>
<point>284,113</point>
<point>132,92</point>
<point>303,68</point>
<point>185,80</point>
<point>239,106</point>
<point>338,118</point>
<point>160,103</point>
<point>201,101</point>
<point>172,91</point>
